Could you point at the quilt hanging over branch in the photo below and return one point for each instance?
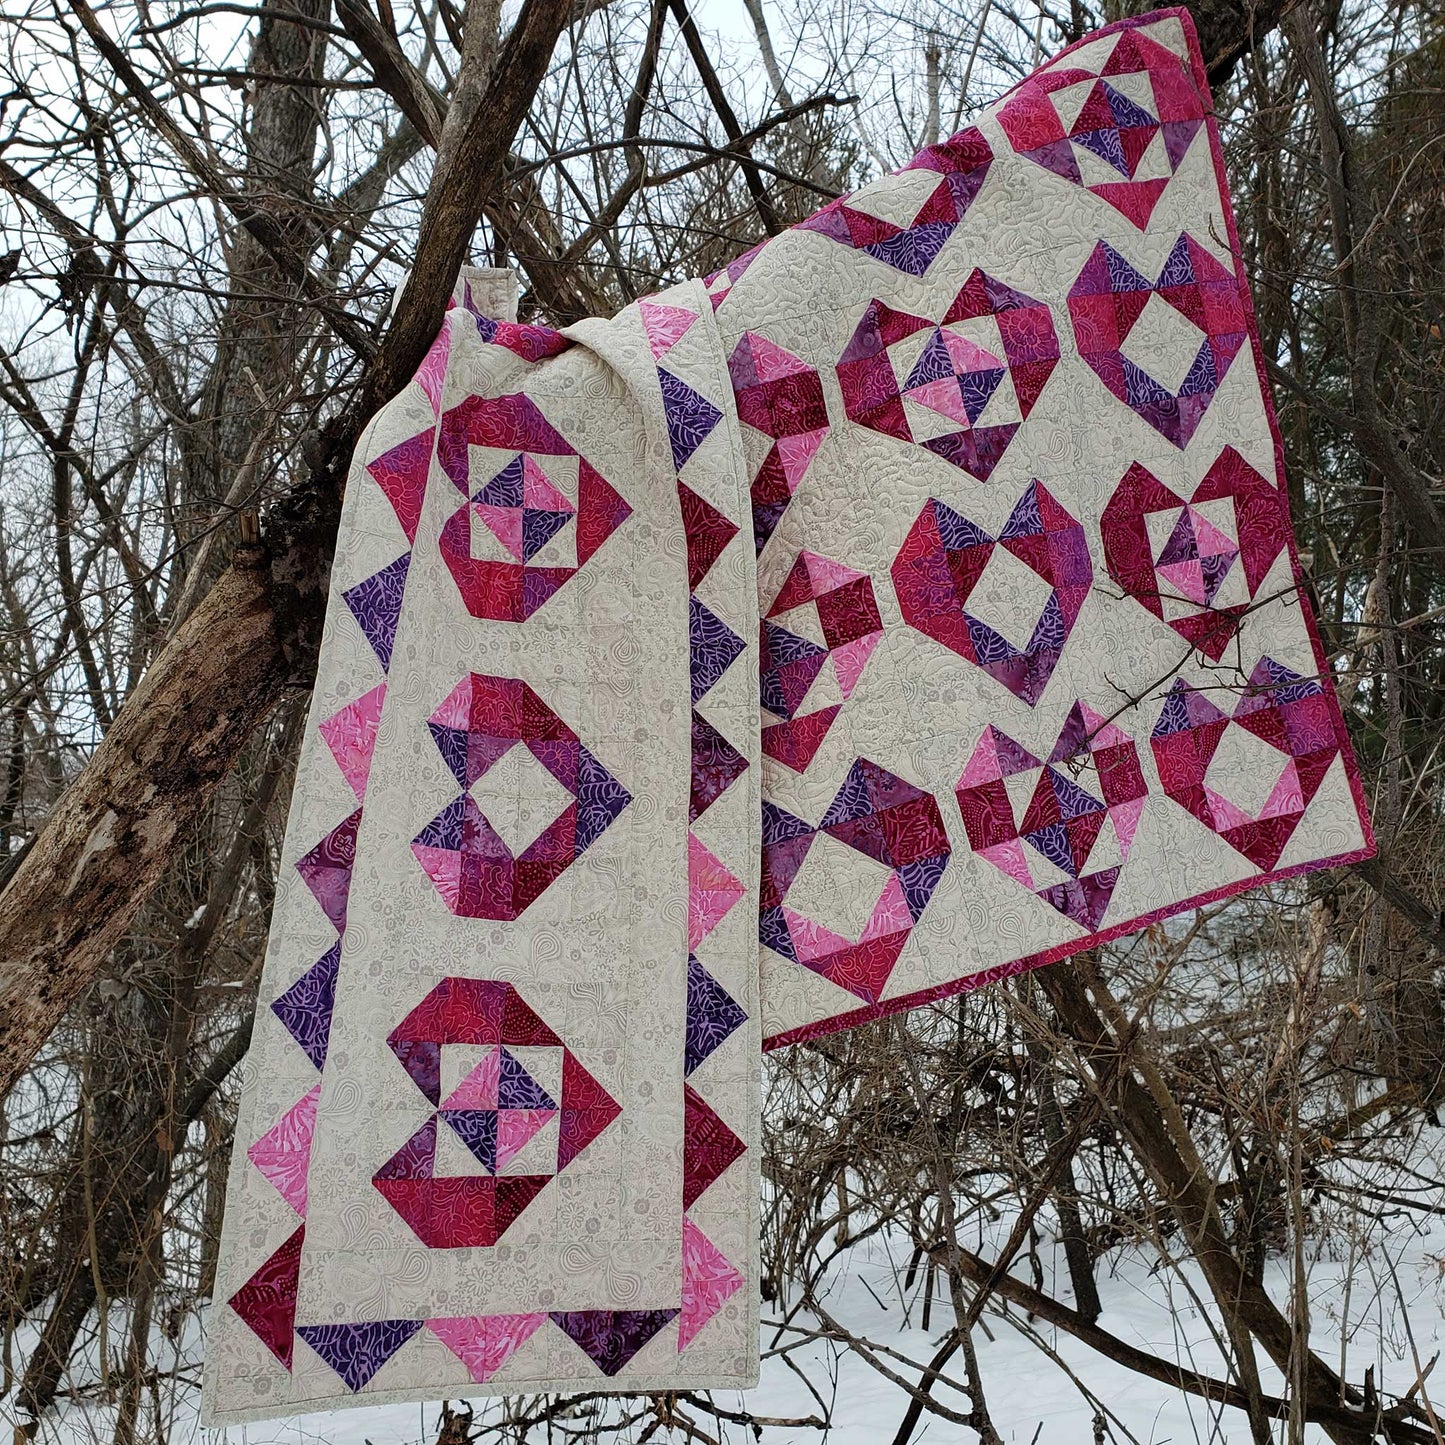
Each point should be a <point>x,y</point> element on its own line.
<point>912,603</point>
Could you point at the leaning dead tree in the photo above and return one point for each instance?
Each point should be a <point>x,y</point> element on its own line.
<point>209,211</point>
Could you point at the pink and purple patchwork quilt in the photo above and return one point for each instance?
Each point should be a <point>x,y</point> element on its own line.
<point>912,603</point>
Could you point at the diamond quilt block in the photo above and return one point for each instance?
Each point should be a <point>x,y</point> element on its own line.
<point>461,851</point>
<point>1288,713</point>
<point>495,1111</point>
<point>522,508</point>
<point>885,819</point>
<point>1120,133</point>
<point>945,557</point>
<point>468,861</point>
<point>1106,303</point>
<point>954,377</point>
<point>1063,826</point>
<point>1196,564</point>
<point>518,507</point>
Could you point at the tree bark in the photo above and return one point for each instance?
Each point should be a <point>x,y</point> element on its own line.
<point>114,832</point>
<point>109,839</point>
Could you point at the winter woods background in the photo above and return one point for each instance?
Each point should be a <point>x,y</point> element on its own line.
<point>1231,1122</point>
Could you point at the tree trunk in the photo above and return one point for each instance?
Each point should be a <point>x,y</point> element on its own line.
<point>116,829</point>
<point>107,842</point>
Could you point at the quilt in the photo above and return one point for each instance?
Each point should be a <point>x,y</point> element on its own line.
<point>909,604</point>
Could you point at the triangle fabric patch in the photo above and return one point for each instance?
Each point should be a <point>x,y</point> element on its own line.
<point>283,1152</point>
<point>714,647</point>
<point>712,1015</point>
<point>267,1301</point>
<point>610,1338</point>
<point>431,375</point>
<point>708,532</point>
<point>356,1352</point>
<point>306,1007</point>
<point>665,325</point>
<point>716,766</point>
<point>401,474</point>
<point>484,1343</point>
<point>691,417</point>
<point>351,736</point>
<point>326,869</point>
<point>712,891</point>
<point>709,1146</point>
<point>708,1282</point>
<point>376,606</point>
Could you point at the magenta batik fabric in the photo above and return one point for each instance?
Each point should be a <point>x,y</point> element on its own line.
<point>909,604</point>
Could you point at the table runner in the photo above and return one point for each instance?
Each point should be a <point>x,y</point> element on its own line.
<point>909,604</point>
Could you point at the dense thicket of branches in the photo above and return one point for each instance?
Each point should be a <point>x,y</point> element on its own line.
<point>207,208</point>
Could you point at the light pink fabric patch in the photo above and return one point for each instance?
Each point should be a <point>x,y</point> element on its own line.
<point>283,1153</point>
<point>351,736</point>
<point>708,1282</point>
<point>484,1343</point>
<point>711,892</point>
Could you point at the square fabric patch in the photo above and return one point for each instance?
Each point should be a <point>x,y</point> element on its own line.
<point>912,603</point>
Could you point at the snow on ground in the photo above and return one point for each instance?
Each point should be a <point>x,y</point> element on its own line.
<point>1032,1397</point>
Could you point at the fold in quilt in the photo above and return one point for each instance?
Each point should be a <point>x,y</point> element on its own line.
<point>912,603</point>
